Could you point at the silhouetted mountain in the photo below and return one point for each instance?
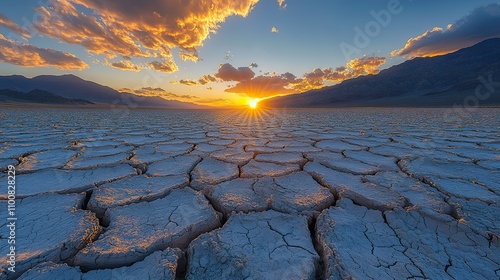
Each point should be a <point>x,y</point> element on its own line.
<point>73,87</point>
<point>39,96</point>
<point>421,82</point>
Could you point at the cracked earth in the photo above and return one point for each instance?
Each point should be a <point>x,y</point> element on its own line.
<point>321,194</point>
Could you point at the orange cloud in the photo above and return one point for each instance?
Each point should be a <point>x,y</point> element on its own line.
<point>168,66</point>
<point>188,82</point>
<point>145,29</point>
<point>481,24</point>
<point>8,23</point>
<point>282,4</point>
<point>357,67</point>
<point>201,81</point>
<point>189,54</point>
<point>124,65</point>
<point>30,56</point>
<point>265,86</point>
<point>366,65</point>
<point>158,92</point>
<point>272,84</point>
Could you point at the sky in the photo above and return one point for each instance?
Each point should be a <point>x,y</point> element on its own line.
<point>226,52</point>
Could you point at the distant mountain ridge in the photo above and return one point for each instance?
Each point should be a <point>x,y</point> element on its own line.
<point>73,87</point>
<point>39,96</point>
<point>421,82</point>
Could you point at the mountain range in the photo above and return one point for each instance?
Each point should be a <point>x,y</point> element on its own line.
<point>40,97</point>
<point>440,81</point>
<point>446,80</point>
<point>73,87</point>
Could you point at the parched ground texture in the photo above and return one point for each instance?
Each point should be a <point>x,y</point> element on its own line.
<point>253,194</point>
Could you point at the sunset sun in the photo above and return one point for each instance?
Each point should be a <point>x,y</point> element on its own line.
<point>253,103</point>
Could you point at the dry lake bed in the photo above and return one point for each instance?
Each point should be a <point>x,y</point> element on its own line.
<point>292,194</point>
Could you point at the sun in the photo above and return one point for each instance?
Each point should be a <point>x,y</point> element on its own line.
<point>253,104</point>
